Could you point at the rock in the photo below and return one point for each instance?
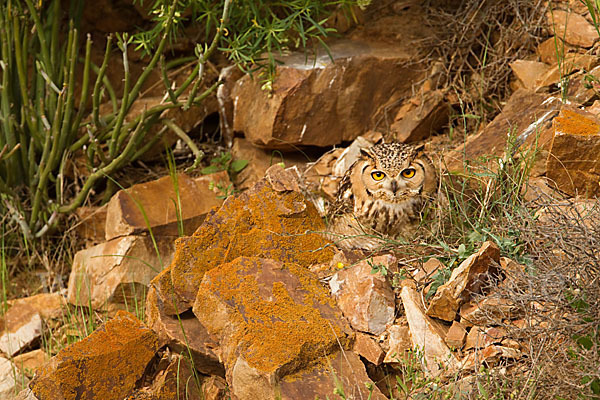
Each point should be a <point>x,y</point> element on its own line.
<point>574,160</point>
<point>574,28</point>
<point>92,224</point>
<point>525,114</point>
<point>366,299</point>
<point>490,355</point>
<point>261,222</point>
<point>215,388</point>
<point>183,334</point>
<point>20,327</point>
<point>28,363</point>
<point>418,118</point>
<point>323,103</point>
<point>530,73</point>
<point>487,311</point>
<point>177,381</point>
<point>479,337</point>
<point>469,277</point>
<point>158,200</point>
<point>11,380</point>
<point>456,335</point>
<point>325,174</point>
<point>343,371</point>
<point>105,365</point>
<point>547,50</point>
<point>399,342</point>
<point>117,271</point>
<point>259,161</point>
<point>427,336</point>
<point>271,319</point>
<point>366,347</point>
<point>577,211</point>
<point>48,305</point>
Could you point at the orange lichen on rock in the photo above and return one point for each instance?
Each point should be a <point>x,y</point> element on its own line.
<point>262,222</point>
<point>275,315</point>
<point>105,365</point>
<point>575,123</point>
<point>573,163</point>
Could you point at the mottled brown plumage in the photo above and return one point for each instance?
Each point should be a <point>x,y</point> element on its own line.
<point>382,195</point>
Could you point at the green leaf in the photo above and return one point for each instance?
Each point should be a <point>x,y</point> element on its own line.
<point>211,169</point>
<point>238,165</point>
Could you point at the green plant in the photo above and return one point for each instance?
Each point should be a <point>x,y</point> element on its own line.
<point>43,126</point>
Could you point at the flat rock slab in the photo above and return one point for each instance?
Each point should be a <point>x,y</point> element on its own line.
<point>271,319</point>
<point>317,102</point>
<point>343,370</point>
<point>574,160</point>
<point>117,271</point>
<point>366,299</point>
<point>183,334</point>
<point>271,220</point>
<point>468,278</point>
<point>161,205</point>
<point>19,328</point>
<point>105,365</point>
<point>427,336</point>
<point>10,379</point>
<point>574,28</point>
<point>525,115</point>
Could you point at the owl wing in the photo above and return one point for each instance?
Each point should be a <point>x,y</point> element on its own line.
<point>344,201</point>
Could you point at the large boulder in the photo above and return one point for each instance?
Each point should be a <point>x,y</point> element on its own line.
<point>105,365</point>
<point>271,220</point>
<point>271,319</point>
<point>325,101</point>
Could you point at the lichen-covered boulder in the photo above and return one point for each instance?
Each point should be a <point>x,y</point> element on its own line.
<point>271,220</point>
<point>105,365</point>
<point>271,319</point>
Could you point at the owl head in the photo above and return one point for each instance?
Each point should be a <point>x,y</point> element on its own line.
<point>396,172</point>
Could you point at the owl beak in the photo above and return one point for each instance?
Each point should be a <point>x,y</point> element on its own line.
<point>394,186</point>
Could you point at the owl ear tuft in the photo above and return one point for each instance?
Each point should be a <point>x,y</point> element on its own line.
<point>366,151</point>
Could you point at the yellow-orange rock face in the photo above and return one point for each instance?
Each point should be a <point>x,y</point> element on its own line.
<point>105,365</point>
<point>271,220</point>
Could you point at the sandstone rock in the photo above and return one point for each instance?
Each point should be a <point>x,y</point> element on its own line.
<point>418,118</point>
<point>260,222</point>
<point>399,342</point>
<point>487,311</point>
<point>342,370</point>
<point>20,327</point>
<point>28,363</point>
<point>367,347</point>
<point>456,335</point>
<point>547,50</point>
<point>11,380</point>
<point>427,336</point>
<point>469,277</point>
<point>117,271</point>
<point>177,381</point>
<point>321,103</point>
<point>530,73</point>
<point>479,337</point>
<point>158,200</point>
<point>271,319</point>
<point>183,334</point>
<point>259,161</point>
<point>92,224</point>
<point>366,299</point>
<point>215,388</point>
<point>524,115</point>
<point>574,28</point>
<point>105,365</point>
<point>48,305</point>
<point>579,211</point>
<point>574,160</point>
<point>325,174</point>
<point>490,356</point>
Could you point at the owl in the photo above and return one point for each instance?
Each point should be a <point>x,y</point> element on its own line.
<point>382,195</point>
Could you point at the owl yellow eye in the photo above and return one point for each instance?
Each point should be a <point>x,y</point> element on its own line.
<point>377,175</point>
<point>408,173</point>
